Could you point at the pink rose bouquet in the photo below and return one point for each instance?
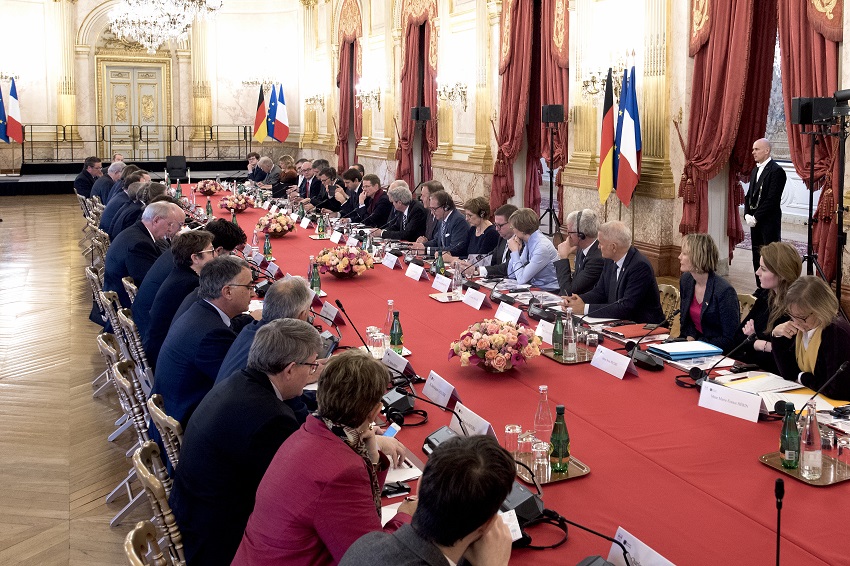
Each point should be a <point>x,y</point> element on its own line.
<point>344,261</point>
<point>208,187</point>
<point>236,202</point>
<point>276,224</point>
<point>495,345</point>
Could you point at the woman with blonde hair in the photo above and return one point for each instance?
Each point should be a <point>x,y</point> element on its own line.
<point>813,344</point>
<point>779,267</point>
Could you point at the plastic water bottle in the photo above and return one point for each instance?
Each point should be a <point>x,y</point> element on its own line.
<point>543,417</point>
<point>388,321</point>
<point>569,337</point>
<point>457,281</point>
<point>811,454</point>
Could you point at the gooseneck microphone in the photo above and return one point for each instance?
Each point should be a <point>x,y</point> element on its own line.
<point>641,358</point>
<point>348,318</point>
<point>699,375</point>
<point>412,393</point>
<point>779,491</point>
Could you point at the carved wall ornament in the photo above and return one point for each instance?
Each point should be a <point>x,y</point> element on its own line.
<point>148,108</point>
<point>120,106</point>
<point>827,17</point>
<point>700,25</point>
<point>350,22</point>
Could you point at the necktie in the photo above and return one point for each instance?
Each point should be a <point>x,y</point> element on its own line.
<point>403,221</point>
<point>579,261</point>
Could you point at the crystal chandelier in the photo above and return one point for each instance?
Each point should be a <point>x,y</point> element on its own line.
<point>151,23</point>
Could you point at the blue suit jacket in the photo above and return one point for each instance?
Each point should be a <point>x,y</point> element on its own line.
<point>720,311</point>
<point>190,359</point>
<point>160,269</point>
<point>101,187</point>
<point>636,289</point>
<point>116,202</point>
<point>451,235</point>
<point>83,183</point>
<point>179,283</point>
<point>132,253</point>
<point>128,214</point>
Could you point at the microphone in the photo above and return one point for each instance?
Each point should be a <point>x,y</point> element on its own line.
<point>642,359</point>
<point>401,390</point>
<point>779,491</point>
<point>348,318</point>
<point>780,405</point>
<point>699,375</point>
<point>601,309</point>
<point>477,261</point>
<point>504,297</point>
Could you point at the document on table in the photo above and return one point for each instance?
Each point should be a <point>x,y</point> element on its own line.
<point>757,382</point>
<point>799,400</point>
<point>388,512</point>
<point>407,471</point>
<point>686,365</point>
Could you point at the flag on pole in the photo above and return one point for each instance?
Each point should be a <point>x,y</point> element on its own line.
<point>260,132</point>
<point>13,120</point>
<point>628,142</point>
<point>272,113</point>
<point>281,118</point>
<point>605,179</point>
<point>3,136</point>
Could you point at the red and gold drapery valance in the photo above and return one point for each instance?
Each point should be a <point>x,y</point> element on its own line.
<point>700,25</point>
<point>827,18</point>
<point>561,34</point>
<point>350,22</point>
<point>417,12</point>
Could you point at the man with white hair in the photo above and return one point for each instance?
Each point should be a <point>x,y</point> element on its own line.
<point>627,289</point>
<point>407,221</point>
<point>582,229</point>
<point>272,171</point>
<point>103,185</point>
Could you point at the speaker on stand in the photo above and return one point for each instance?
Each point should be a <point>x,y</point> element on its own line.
<point>552,115</point>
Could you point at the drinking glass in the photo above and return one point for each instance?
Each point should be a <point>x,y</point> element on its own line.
<point>512,432</point>
<point>540,452</point>
<point>376,344</point>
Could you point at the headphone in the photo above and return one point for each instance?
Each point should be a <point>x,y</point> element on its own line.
<point>579,233</point>
<point>482,214</point>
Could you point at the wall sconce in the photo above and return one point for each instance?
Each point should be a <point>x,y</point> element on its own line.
<point>314,101</point>
<point>4,76</point>
<point>369,97</point>
<point>594,81</point>
<point>454,93</point>
<point>265,82</point>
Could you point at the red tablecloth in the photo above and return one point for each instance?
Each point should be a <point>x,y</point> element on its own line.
<point>685,480</point>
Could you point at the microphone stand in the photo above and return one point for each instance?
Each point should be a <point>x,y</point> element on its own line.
<point>647,361</point>
<point>699,376</point>
<point>779,491</point>
<point>348,318</point>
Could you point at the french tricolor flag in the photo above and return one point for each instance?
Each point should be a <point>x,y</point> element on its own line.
<point>13,116</point>
<point>281,118</point>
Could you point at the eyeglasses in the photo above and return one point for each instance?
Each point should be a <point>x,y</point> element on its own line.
<point>313,366</point>
<point>499,226</point>
<point>251,286</point>
<point>796,318</point>
<point>205,252</point>
<point>434,207</point>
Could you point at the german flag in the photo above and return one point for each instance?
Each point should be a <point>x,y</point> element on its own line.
<point>605,179</point>
<point>260,131</point>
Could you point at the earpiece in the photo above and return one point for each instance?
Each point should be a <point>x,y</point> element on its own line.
<point>482,214</point>
<point>579,233</point>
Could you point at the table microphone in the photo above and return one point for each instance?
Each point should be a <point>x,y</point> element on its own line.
<point>505,297</point>
<point>476,262</point>
<point>642,359</point>
<point>348,318</point>
<point>780,405</point>
<point>403,391</point>
<point>779,491</point>
<point>699,375</point>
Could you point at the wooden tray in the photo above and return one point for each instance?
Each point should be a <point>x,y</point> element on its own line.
<point>833,471</point>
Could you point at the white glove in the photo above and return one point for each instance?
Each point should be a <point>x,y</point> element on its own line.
<point>750,220</point>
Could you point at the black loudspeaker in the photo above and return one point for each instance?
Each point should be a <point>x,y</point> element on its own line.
<point>811,110</point>
<point>176,166</point>
<point>420,113</point>
<point>553,113</point>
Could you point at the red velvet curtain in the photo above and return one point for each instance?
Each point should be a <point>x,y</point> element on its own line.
<point>555,86</point>
<point>349,53</point>
<point>810,68</point>
<point>515,53</point>
<point>717,96</point>
<point>754,119</point>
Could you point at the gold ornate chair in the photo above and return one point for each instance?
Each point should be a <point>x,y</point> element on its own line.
<point>169,429</point>
<point>110,349</point>
<point>127,383</point>
<point>130,287</point>
<point>140,543</point>
<point>746,301</point>
<point>134,343</point>
<point>153,476</point>
<point>669,300</point>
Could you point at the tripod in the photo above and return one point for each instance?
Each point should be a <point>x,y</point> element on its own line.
<point>552,115</point>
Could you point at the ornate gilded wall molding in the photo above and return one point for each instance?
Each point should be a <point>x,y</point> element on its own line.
<point>349,22</point>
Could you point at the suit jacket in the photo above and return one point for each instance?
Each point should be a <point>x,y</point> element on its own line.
<point>720,313</point>
<point>375,211</point>
<point>311,188</point>
<point>309,513</point>
<point>237,323</point>
<point>190,358</point>
<point>834,350</point>
<point>234,434</point>
<point>257,175</point>
<point>430,224</point>
<point>415,226</point>
<point>759,314</point>
<point>116,202</point>
<point>128,215</point>
<point>101,187</point>
<point>636,290</point>
<point>83,183</point>
<point>132,253</point>
<point>497,267</point>
<point>451,234</point>
<point>763,200</point>
<point>160,269</point>
<point>585,276</point>
<point>272,177</point>
<point>117,188</point>
<point>402,548</point>
<point>179,283</point>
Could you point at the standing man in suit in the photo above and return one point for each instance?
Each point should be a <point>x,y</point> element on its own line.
<point>762,212</point>
<point>407,221</point>
<point>627,289</point>
<point>502,254</point>
<point>92,169</point>
<point>582,229</point>
<point>452,231</point>
<point>374,208</point>
<point>464,482</point>
<point>234,434</point>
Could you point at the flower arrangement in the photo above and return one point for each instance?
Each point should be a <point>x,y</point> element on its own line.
<point>344,261</point>
<point>208,187</point>
<point>496,345</point>
<point>236,202</point>
<point>276,224</point>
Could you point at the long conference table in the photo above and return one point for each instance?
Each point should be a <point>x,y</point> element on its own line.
<point>685,480</point>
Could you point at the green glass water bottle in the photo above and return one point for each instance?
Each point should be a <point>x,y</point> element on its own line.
<point>396,335</point>
<point>321,226</point>
<point>267,248</point>
<point>179,192</point>
<point>439,265</point>
<point>209,209</point>
<point>558,337</point>
<point>301,212</point>
<point>233,216</point>
<point>789,439</point>
<point>559,457</point>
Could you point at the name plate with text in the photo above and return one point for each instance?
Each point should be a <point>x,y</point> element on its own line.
<point>336,237</point>
<point>390,261</point>
<point>330,312</point>
<point>475,299</point>
<point>416,272</point>
<point>730,401</point>
<point>441,283</point>
<point>544,330</point>
<point>439,390</point>
<point>305,222</point>
<point>612,363</point>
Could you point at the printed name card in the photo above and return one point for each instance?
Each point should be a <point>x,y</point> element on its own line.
<point>508,313</point>
<point>389,261</point>
<point>258,258</point>
<point>352,242</point>
<point>441,283</point>
<point>305,222</point>
<point>336,236</point>
<point>248,251</point>
<point>273,209</point>
<point>730,401</point>
<point>416,272</point>
<point>544,330</point>
<point>439,390</point>
<point>274,270</point>
<point>639,551</point>
<point>396,362</point>
<point>612,363</point>
<point>267,204</point>
<point>315,301</point>
<point>294,216</point>
<point>475,299</point>
<point>330,312</point>
<point>473,424</point>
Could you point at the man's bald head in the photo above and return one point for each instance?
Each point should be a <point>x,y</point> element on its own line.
<point>761,150</point>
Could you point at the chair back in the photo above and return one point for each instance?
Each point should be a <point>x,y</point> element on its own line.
<point>746,301</point>
<point>140,543</point>
<point>110,349</point>
<point>134,342</point>
<point>99,248</point>
<point>669,300</point>
<point>130,287</point>
<point>96,284</point>
<point>111,305</point>
<point>127,382</point>
<point>169,429</point>
<point>153,477</point>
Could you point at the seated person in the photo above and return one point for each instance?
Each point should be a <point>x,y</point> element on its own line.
<point>779,266</point>
<point>310,514</point>
<point>482,236</point>
<point>325,199</point>
<point>501,255</point>
<point>349,198</point>
<point>464,482</point>
<point>709,308</point>
<point>532,254</point>
<point>451,231</point>
<point>582,229</point>
<point>130,213</point>
<point>255,173</point>
<point>271,180</point>
<point>374,204</point>
<point>234,434</point>
<point>407,221</point>
<point>627,289</point>
<point>813,344</point>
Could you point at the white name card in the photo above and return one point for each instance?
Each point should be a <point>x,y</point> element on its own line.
<point>330,312</point>
<point>389,261</point>
<point>612,362</point>
<point>273,209</point>
<point>544,330</point>
<point>248,251</point>
<point>352,242</point>
<point>395,361</point>
<point>266,204</point>
<point>259,258</point>
<point>439,390</point>
<point>305,222</point>
<point>638,550</point>
<point>416,272</point>
<point>730,401</point>
<point>316,301</point>
<point>508,313</point>
<point>473,424</point>
<point>441,283</point>
<point>336,236</point>
<point>273,269</point>
<point>294,216</point>
<point>475,299</point>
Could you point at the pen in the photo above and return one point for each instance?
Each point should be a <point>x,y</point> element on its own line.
<point>738,378</point>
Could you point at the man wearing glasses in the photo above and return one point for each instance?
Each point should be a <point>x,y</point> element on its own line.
<point>582,229</point>
<point>92,169</point>
<point>450,235</point>
<point>501,254</point>
<point>233,436</point>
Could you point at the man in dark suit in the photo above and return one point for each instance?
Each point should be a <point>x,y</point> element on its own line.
<point>234,434</point>
<point>104,183</point>
<point>310,184</point>
<point>122,197</point>
<point>502,253</point>
<point>456,519</point>
<point>407,222</point>
<point>582,229</point>
<point>349,198</point>
<point>271,180</point>
<point>762,211</point>
<point>374,204</point>
<point>627,289</point>
<point>425,191</point>
<point>198,340</point>
<point>451,233</point>
<point>191,251</point>
<point>92,169</point>
<point>325,199</point>
<point>134,251</point>
<point>254,172</point>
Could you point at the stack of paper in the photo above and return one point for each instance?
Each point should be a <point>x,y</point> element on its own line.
<point>684,350</point>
